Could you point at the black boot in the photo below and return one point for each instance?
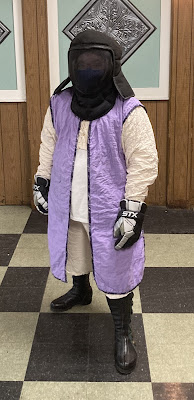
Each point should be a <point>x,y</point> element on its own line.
<point>81,293</point>
<point>125,353</point>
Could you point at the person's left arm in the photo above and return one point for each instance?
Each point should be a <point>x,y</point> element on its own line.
<point>139,147</point>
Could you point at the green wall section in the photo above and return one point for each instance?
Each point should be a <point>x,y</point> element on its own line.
<point>65,15</point>
<point>142,69</point>
<point>8,78</point>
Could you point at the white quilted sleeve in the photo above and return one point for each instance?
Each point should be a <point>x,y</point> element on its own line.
<point>48,141</point>
<point>141,155</point>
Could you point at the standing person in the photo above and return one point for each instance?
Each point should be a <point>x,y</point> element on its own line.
<point>97,158</point>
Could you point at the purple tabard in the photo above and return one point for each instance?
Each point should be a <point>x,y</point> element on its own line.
<point>115,271</point>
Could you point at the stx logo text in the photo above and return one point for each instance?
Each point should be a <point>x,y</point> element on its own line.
<point>130,214</point>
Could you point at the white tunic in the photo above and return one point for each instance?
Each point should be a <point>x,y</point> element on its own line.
<point>79,188</point>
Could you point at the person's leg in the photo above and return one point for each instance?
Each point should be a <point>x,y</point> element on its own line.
<point>79,265</point>
<point>125,353</point>
<point>79,260</point>
<point>121,310</point>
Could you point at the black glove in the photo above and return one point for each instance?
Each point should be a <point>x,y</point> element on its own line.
<point>40,192</point>
<point>129,222</point>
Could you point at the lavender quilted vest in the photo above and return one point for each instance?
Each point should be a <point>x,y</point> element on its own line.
<point>115,271</point>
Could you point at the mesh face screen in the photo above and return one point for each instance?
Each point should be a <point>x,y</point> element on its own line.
<point>90,69</point>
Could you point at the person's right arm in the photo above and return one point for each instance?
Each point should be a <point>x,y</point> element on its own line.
<point>43,174</point>
<point>48,141</point>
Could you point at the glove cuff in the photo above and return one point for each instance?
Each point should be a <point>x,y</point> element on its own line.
<point>133,205</point>
<point>39,180</point>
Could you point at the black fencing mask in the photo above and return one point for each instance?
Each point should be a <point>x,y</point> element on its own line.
<point>95,71</point>
<point>91,72</point>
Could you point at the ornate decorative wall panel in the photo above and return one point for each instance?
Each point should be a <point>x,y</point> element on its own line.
<point>4,32</point>
<point>141,27</point>
<point>118,18</point>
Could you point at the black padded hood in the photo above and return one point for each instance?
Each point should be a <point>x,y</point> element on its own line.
<point>91,39</point>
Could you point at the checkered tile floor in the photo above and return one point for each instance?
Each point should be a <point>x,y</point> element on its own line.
<point>48,356</point>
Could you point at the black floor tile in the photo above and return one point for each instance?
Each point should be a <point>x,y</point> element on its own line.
<point>8,244</point>
<point>60,348</point>
<point>173,391</point>
<point>80,347</point>
<point>25,277</point>
<point>52,362</point>
<point>101,351</point>
<point>10,390</point>
<point>167,220</point>
<point>37,223</point>
<point>22,289</point>
<point>167,290</point>
<point>20,300</point>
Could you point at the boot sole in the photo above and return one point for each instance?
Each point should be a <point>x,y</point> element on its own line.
<point>125,371</point>
<point>61,309</point>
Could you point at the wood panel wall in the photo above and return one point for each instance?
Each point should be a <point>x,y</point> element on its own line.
<point>14,154</point>
<point>181,109</point>
<point>158,114</point>
<point>37,73</point>
<point>21,123</point>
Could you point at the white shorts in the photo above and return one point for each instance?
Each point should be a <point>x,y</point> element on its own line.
<point>79,261</point>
